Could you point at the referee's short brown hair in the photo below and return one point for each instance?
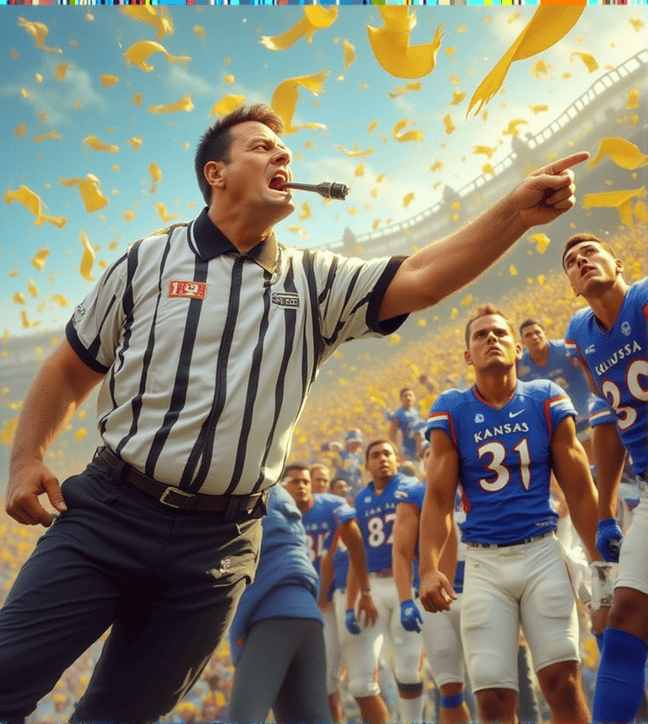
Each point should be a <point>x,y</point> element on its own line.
<point>216,141</point>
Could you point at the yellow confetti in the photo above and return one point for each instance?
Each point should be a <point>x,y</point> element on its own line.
<point>50,136</point>
<point>14,54</point>
<point>60,300</point>
<point>408,198</point>
<point>486,150</point>
<point>633,99</point>
<point>454,313</point>
<point>81,432</point>
<point>408,135</point>
<point>449,126</point>
<point>437,166</point>
<point>229,78</point>
<point>316,17</point>
<point>403,90</point>
<point>32,288</point>
<point>96,145</point>
<point>541,279</point>
<point>349,54</point>
<point>372,126</point>
<point>541,241</point>
<point>355,152</point>
<point>184,104</point>
<point>587,58</point>
<point>513,271</point>
<point>129,215</point>
<point>547,26</point>
<point>162,211</point>
<point>641,212</point>
<point>108,80</point>
<point>450,51</point>
<point>305,212</point>
<point>158,17</point>
<point>20,130</point>
<point>8,432</point>
<point>286,94</point>
<point>155,173</point>
<point>26,323</point>
<point>39,32</point>
<point>467,300</point>
<point>391,48</point>
<point>539,69</point>
<point>87,259</point>
<point>512,129</point>
<point>227,104</point>
<point>41,257</point>
<point>18,298</point>
<point>32,202</point>
<point>375,224</point>
<point>91,196</point>
<point>139,53</point>
<point>620,200</point>
<point>135,142</point>
<point>457,97</point>
<point>394,338</point>
<point>61,71</point>
<point>636,23</point>
<point>623,152</point>
<point>42,117</point>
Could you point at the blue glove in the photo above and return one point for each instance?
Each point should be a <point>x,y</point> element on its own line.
<point>608,539</point>
<point>410,616</point>
<point>351,622</point>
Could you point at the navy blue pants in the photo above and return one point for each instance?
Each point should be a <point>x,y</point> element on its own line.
<point>167,580</point>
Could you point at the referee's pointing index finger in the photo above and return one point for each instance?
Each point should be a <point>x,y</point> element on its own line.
<point>557,167</point>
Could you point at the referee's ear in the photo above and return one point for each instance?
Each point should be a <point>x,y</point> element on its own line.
<point>215,173</point>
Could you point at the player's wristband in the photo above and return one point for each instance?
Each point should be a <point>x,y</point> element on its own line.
<point>366,592</point>
<point>603,577</point>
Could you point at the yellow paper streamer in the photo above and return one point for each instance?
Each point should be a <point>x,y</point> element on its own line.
<point>184,104</point>
<point>50,136</point>
<point>316,17</point>
<point>305,212</point>
<point>588,59</point>
<point>161,209</point>
<point>547,26</point>
<point>158,17</point>
<point>620,200</point>
<point>538,108</point>
<point>623,152</point>
<point>286,94</point>
<point>38,31</point>
<point>92,198</point>
<point>512,129</point>
<point>139,53</point>
<point>403,90</point>
<point>227,104</point>
<point>87,259</point>
<point>408,198</point>
<point>408,135</point>
<point>486,150</point>
<point>391,48</point>
<point>41,257</point>
<point>96,145</point>
<point>156,174</point>
<point>355,152</point>
<point>32,202</point>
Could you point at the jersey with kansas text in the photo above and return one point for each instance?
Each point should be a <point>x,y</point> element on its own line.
<point>559,368</point>
<point>320,523</point>
<point>409,423</point>
<point>504,458</point>
<point>617,359</point>
<point>375,515</point>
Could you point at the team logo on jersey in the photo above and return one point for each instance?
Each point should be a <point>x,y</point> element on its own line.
<point>479,417</point>
<point>590,350</point>
<point>190,290</point>
<point>626,328</point>
<point>287,300</point>
<point>515,414</point>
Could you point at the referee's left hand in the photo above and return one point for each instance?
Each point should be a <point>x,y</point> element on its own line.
<point>27,481</point>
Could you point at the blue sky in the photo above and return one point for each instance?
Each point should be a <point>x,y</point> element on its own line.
<point>222,42</point>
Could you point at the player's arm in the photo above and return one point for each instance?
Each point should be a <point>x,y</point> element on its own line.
<point>444,266</point>
<point>437,523</point>
<point>578,362</point>
<point>393,431</point>
<point>326,573</point>
<point>609,458</point>
<point>60,386</point>
<point>405,537</point>
<point>352,539</point>
<point>572,472</point>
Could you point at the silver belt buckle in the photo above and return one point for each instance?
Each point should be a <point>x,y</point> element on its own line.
<point>170,491</point>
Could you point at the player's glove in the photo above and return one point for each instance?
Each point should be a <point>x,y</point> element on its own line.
<point>608,539</point>
<point>351,622</point>
<point>411,618</point>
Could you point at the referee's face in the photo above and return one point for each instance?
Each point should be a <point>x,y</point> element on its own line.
<point>259,165</point>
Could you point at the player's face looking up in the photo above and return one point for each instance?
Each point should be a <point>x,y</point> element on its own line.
<point>492,346</point>
<point>407,399</point>
<point>298,484</point>
<point>382,463</point>
<point>589,265</point>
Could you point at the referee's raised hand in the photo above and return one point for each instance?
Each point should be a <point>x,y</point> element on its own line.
<point>27,482</point>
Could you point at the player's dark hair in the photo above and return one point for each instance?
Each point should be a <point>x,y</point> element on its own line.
<point>528,323</point>
<point>216,142</point>
<point>579,239</point>
<point>373,444</point>
<point>405,389</point>
<point>295,466</point>
<point>484,310</point>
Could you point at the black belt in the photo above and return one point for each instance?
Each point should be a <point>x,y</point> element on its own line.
<point>507,545</point>
<point>173,496</point>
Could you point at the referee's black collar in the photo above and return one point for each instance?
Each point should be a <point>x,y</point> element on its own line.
<point>211,242</point>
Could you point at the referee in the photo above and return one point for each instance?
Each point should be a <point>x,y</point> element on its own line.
<point>206,339</point>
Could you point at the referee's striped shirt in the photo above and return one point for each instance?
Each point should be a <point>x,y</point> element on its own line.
<point>210,353</point>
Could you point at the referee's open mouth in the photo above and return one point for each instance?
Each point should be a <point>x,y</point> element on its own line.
<point>278,179</point>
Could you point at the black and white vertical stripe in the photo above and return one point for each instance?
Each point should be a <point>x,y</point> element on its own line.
<point>205,393</point>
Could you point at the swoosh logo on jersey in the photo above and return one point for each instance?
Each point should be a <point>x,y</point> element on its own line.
<point>515,414</point>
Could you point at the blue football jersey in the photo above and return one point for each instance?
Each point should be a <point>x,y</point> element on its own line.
<point>375,515</point>
<point>600,413</point>
<point>617,359</point>
<point>409,422</point>
<point>320,524</point>
<point>559,368</point>
<point>504,458</point>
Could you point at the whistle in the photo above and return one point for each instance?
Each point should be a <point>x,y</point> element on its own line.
<point>327,189</point>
